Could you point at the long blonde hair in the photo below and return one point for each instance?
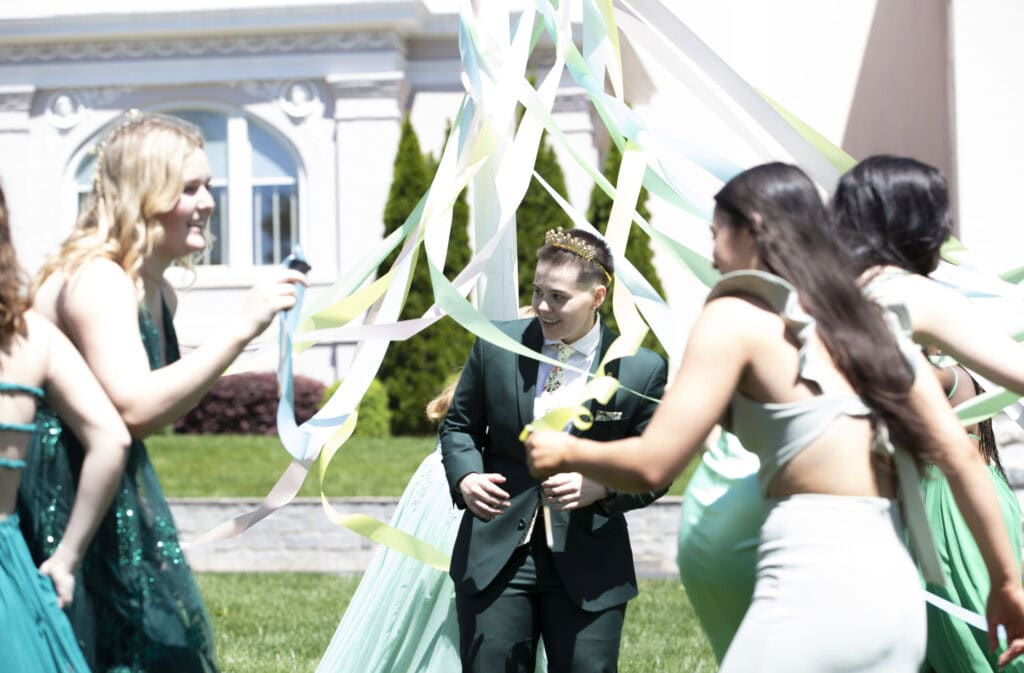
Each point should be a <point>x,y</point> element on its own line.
<point>138,179</point>
<point>437,408</point>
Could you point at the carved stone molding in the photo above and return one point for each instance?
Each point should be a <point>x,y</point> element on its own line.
<point>368,96</point>
<point>17,98</point>
<point>63,110</point>
<point>101,97</point>
<point>227,45</point>
<point>374,85</point>
<point>298,98</point>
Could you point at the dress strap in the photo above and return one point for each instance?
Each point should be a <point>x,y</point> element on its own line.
<point>784,300</point>
<point>12,463</point>
<point>912,501</point>
<point>18,427</point>
<point>19,388</point>
<point>956,384</point>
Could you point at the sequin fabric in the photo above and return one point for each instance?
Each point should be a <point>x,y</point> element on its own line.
<point>137,607</point>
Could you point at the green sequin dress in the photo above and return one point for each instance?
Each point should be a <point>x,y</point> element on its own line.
<point>137,607</point>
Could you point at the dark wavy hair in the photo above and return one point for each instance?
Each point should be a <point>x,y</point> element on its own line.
<point>13,299</point>
<point>894,211</point>
<point>781,207</point>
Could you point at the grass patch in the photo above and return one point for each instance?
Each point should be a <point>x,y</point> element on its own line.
<point>282,623</point>
<point>193,466</point>
<point>246,466</point>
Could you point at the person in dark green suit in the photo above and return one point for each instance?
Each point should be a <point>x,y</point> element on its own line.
<point>515,580</point>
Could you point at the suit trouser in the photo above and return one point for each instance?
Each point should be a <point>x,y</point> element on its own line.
<point>500,626</point>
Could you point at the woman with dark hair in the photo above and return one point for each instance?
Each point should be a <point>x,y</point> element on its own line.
<point>893,215</point>
<point>38,363</point>
<point>807,373</point>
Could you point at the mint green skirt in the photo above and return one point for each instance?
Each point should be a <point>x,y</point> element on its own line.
<point>402,617</point>
<point>954,646</point>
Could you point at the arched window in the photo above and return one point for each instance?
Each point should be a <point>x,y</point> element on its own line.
<point>254,183</point>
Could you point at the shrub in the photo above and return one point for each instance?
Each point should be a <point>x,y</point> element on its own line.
<point>374,414</point>
<point>247,404</point>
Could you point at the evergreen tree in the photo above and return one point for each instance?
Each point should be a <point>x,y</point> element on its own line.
<point>409,181</point>
<point>638,248</point>
<point>416,369</point>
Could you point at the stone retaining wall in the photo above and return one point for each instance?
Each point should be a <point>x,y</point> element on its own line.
<point>301,538</point>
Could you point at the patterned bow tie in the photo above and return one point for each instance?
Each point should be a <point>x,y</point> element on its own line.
<point>554,381</point>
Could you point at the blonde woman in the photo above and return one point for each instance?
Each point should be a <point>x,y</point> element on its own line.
<point>139,608</point>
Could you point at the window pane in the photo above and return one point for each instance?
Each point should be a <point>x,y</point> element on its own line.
<point>215,135</point>
<point>217,237</point>
<point>86,171</point>
<point>269,158</point>
<point>274,211</point>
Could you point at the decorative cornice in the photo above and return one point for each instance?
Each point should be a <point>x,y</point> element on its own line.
<point>230,45</point>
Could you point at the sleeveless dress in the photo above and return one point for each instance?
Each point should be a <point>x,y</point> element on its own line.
<point>35,636</point>
<point>402,617</point>
<point>137,607</point>
<point>825,562</point>
<point>953,645</point>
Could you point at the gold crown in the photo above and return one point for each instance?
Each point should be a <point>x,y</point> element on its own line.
<point>559,238</point>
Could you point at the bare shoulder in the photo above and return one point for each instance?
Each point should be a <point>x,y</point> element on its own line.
<point>32,349</point>
<point>97,281</point>
<point>37,326</point>
<point>739,315</point>
<point>931,304</point>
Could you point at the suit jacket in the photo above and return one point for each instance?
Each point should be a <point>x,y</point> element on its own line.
<point>492,403</point>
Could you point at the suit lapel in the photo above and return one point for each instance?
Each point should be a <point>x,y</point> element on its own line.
<point>526,372</point>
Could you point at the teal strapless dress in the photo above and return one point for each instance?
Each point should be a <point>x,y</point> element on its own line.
<point>137,607</point>
<point>35,636</point>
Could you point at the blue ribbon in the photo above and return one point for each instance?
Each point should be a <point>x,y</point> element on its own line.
<point>296,441</point>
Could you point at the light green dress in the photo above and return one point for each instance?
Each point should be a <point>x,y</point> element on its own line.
<point>953,645</point>
<point>719,528</point>
<point>402,617</point>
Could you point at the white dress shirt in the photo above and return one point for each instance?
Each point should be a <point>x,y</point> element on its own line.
<point>572,382</point>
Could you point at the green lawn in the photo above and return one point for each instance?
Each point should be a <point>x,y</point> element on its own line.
<point>282,623</point>
<point>193,466</point>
